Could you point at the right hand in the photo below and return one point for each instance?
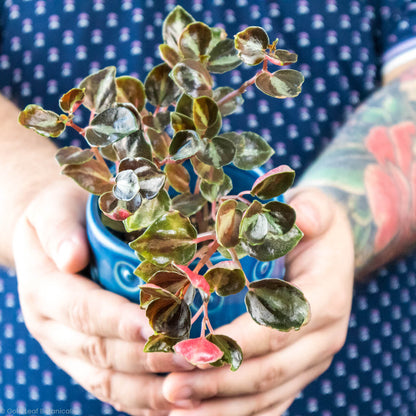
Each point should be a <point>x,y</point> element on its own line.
<point>94,335</point>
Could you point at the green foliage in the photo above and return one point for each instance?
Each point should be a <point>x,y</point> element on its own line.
<point>167,189</point>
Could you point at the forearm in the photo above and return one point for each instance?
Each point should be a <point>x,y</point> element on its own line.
<point>28,165</point>
<point>370,169</point>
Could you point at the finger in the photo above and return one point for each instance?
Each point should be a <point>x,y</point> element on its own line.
<point>276,410</point>
<point>73,300</point>
<point>110,353</point>
<point>255,375</point>
<point>58,216</point>
<point>248,405</point>
<point>121,390</point>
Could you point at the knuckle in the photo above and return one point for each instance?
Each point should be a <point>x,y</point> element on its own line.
<point>78,314</point>
<point>277,339</point>
<point>156,400</point>
<point>269,376</point>
<point>95,350</point>
<point>100,385</point>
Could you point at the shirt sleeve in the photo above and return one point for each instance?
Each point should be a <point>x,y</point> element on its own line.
<point>397,33</point>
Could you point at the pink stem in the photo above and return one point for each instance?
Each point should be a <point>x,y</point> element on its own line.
<point>239,91</point>
<point>209,235</point>
<point>273,60</point>
<point>212,248</point>
<point>196,316</point>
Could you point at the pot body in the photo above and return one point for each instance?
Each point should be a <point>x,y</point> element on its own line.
<point>113,262</point>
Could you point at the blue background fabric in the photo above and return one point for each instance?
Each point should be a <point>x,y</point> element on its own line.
<point>47,47</point>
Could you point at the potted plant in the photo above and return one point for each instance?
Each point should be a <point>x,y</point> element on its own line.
<point>188,199</point>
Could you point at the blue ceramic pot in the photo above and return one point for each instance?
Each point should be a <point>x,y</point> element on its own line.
<point>113,261</point>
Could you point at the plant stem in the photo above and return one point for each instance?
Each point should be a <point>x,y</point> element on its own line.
<point>273,60</point>
<point>209,235</point>
<point>239,91</point>
<point>212,248</point>
<point>97,155</point>
<point>206,319</point>
<point>76,128</point>
<point>196,316</point>
<point>236,260</point>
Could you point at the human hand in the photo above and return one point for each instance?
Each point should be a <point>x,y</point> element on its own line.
<point>94,335</point>
<point>277,365</point>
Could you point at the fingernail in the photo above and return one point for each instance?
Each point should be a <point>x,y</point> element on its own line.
<point>187,404</point>
<point>65,253</point>
<point>183,394</point>
<point>179,361</point>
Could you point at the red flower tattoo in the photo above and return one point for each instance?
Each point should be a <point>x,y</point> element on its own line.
<point>391,184</point>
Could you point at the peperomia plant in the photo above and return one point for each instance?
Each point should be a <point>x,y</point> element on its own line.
<point>167,190</point>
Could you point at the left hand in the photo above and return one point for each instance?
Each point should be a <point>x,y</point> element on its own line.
<point>278,365</point>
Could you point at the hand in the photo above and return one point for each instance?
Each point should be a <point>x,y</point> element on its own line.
<point>277,365</point>
<point>94,335</point>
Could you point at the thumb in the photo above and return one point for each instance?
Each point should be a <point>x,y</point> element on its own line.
<point>58,217</point>
<point>314,210</point>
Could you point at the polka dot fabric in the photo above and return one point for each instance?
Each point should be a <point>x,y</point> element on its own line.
<point>47,47</point>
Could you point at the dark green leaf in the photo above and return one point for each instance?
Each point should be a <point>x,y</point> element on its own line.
<point>111,125</point>
<point>169,55</point>
<point>150,292</point>
<point>45,123</point>
<point>206,172</point>
<point>252,150</point>
<point>230,106</point>
<point>206,116</point>
<point>281,217</point>
<point>192,78</point>
<point>281,84</point>
<point>277,304</point>
<point>108,152</point>
<point>174,24</point>
<point>194,40</point>
<point>188,204</point>
<point>185,144</point>
<point>133,145</point>
<point>70,99</point>
<point>170,238</point>
<point>228,223</point>
<point>168,317</point>
<point>274,182</point>
<point>224,57</point>
<point>178,177</point>
<point>72,155</point>
<point>130,90</point>
<point>217,152</point>
<point>217,34</point>
<point>213,191</point>
<point>254,226</point>
<point>160,88</point>
<point>233,354</point>
<point>225,278</point>
<point>92,176</point>
<point>251,44</point>
<point>149,211</point>
<point>100,89</point>
<point>275,245</point>
<point>151,178</point>
<point>160,343</point>
<point>116,209</point>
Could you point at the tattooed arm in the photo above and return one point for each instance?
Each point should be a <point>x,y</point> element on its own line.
<point>370,169</point>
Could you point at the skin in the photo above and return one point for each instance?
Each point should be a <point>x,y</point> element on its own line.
<point>97,336</point>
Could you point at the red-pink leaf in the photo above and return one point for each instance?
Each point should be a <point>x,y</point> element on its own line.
<point>198,351</point>
<point>196,279</point>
